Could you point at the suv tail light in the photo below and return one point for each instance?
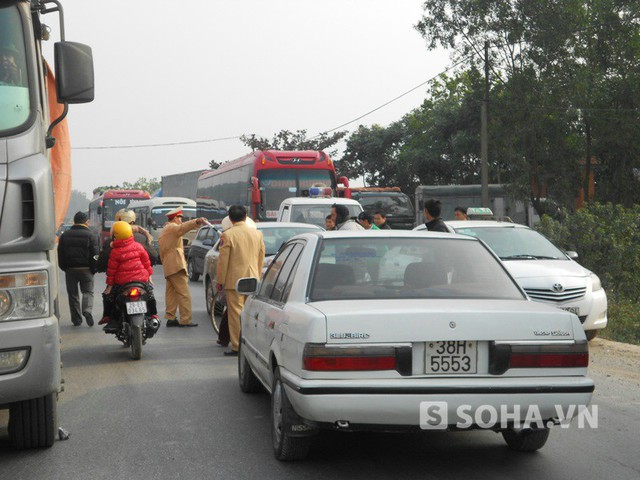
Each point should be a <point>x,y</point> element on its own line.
<point>323,358</point>
<point>503,356</point>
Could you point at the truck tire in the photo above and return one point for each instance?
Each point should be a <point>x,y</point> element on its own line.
<point>591,334</point>
<point>32,423</point>
<point>286,448</point>
<point>526,440</point>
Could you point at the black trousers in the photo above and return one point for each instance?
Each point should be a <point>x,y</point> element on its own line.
<point>82,277</point>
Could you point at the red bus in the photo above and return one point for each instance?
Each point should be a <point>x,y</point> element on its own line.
<point>262,180</point>
<point>102,209</point>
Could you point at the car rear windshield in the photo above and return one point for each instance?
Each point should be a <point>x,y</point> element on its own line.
<point>514,243</point>
<point>388,268</point>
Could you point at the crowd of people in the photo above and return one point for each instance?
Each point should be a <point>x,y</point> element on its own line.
<point>128,256</point>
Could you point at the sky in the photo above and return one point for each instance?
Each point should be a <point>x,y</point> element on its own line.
<point>171,72</point>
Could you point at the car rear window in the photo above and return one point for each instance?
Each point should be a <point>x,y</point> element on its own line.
<point>388,268</point>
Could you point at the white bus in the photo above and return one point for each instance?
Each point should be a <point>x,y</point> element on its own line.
<point>151,214</point>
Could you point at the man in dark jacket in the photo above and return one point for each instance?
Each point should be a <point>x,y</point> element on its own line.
<point>434,223</point>
<point>78,249</point>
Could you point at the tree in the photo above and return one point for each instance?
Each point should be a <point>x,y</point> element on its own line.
<point>213,165</point>
<point>287,140</point>
<point>79,202</point>
<point>147,184</point>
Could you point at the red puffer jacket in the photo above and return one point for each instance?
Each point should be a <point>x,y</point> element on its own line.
<point>128,262</point>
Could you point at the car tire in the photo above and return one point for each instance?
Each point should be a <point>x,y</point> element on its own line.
<point>32,423</point>
<point>249,383</point>
<point>526,440</point>
<point>591,334</point>
<point>285,447</point>
<point>209,294</point>
<point>191,271</point>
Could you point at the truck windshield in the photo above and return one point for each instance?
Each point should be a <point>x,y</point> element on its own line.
<point>14,88</point>
<point>390,205</point>
<point>276,185</point>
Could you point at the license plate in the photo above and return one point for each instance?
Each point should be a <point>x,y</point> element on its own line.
<point>574,310</point>
<point>451,357</point>
<point>134,308</point>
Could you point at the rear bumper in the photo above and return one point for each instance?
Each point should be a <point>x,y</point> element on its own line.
<point>41,374</point>
<point>398,402</point>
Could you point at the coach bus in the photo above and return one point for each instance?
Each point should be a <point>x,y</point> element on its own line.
<point>262,180</point>
<point>152,214</point>
<point>102,209</point>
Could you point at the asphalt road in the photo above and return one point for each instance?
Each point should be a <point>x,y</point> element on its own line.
<point>178,413</point>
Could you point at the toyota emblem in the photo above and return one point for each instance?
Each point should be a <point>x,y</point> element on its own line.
<point>557,287</point>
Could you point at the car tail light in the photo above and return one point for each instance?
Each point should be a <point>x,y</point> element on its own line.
<point>503,356</point>
<point>134,293</point>
<point>323,358</point>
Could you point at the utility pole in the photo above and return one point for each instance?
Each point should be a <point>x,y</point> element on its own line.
<point>484,140</point>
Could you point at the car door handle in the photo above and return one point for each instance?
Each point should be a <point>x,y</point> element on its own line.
<point>271,324</point>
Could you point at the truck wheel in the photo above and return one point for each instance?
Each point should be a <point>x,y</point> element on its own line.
<point>526,440</point>
<point>285,447</point>
<point>191,271</point>
<point>32,423</point>
<point>249,383</point>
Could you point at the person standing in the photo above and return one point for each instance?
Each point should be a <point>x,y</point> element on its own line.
<point>460,213</point>
<point>241,255</point>
<point>380,219</point>
<point>178,296</point>
<point>434,223</point>
<point>341,220</point>
<point>78,249</point>
<point>366,220</point>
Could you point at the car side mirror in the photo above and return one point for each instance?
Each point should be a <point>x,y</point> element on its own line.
<point>247,285</point>
<point>572,255</point>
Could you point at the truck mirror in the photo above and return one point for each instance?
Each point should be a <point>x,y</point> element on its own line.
<point>74,72</point>
<point>99,211</point>
<point>255,191</point>
<point>344,181</point>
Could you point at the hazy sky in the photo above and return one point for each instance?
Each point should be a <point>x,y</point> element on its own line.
<point>170,71</point>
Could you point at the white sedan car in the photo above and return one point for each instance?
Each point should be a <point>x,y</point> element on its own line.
<point>545,272</point>
<point>395,330</point>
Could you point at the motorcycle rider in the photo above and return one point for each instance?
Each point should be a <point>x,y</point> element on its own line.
<point>128,262</point>
<point>142,236</point>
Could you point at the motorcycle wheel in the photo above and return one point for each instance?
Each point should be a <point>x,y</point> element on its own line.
<point>136,342</point>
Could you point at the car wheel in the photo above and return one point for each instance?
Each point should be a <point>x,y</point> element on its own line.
<point>285,447</point>
<point>249,383</point>
<point>32,423</point>
<point>209,293</point>
<point>526,440</point>
<point>191,271</point>
<point>591,334</point>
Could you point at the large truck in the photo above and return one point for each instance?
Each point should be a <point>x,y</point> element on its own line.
<point>34,194</point>
<point>394,204</point>
<point>466,196</point>
<point>181,185</point>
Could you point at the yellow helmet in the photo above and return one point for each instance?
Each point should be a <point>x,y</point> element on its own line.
<point>125,215</point>
<point>121,231</point>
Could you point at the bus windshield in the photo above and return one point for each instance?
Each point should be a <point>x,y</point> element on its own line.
<point>110,207</point>
<point>159,214</point>
<point>14,88</point>
<point>276,185</point>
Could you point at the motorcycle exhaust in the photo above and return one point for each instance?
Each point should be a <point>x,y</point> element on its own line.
<point>154,324</point>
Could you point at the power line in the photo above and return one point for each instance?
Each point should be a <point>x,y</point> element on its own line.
<point>396,98</point>
<point>149,145</point>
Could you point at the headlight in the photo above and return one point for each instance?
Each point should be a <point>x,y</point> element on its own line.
<point>595,283</point>
<point>24,296</point>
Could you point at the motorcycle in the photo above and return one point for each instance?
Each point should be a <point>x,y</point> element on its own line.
<point>134,326</point>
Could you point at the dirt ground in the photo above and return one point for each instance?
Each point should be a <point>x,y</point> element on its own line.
<point>614,359</point>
